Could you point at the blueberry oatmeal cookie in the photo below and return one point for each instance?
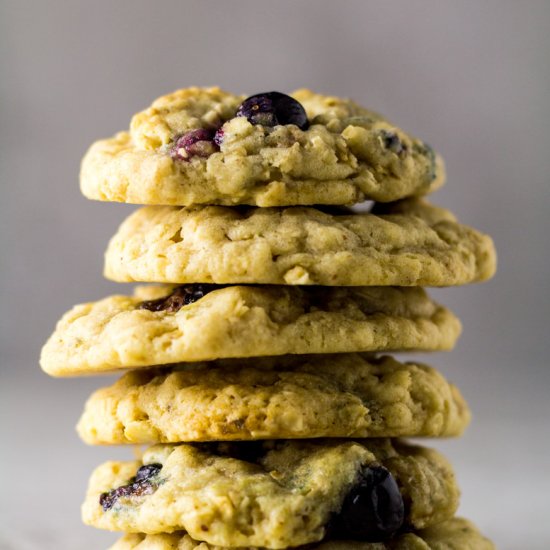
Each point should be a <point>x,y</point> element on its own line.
<point>275,494</point>
<point>163,324</point>
<point>454,534</point>
<point>240,366</point>
<point>416,244</point>
<point>288,397</point>
<point>208,146</point>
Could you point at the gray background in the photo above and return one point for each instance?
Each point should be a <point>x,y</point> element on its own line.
<point>472,78</point>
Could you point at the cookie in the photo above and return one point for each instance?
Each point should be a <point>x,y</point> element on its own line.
<point>207,146</point>
<point>161,325</point>
<point>274,494</point>
<point>287,397</point>
<point>454,534</point>
<point>423,246</point>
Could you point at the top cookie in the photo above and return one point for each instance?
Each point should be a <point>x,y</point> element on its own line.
<point>205,146</point>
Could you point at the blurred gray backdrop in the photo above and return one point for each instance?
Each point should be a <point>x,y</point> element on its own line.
<point>471,78</point>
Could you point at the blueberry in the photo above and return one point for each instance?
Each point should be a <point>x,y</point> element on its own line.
<point>272,109</point>
<point>140,485</point>
<point>373,510</point>
<point>218,137</point>
<point>392,142</point>
<point>195,143</point>
<point>180,296</point>
<point>147,471</point>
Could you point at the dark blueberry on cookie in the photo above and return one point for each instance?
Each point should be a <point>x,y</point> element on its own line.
<point>142,484</point>
<point>147,471</point>
<point>180,296</point>
<point>392,142</point>
<point>195,143</point>
<point>218,137</point>
<point>373,510</point>
<point>272,109</point>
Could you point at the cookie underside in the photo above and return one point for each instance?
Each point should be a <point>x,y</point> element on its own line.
<point>454,534</point>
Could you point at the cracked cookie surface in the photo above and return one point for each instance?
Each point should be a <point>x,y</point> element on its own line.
<point>347,154</point>
<point>418,245</point>
<point>454,534</point>
<point>338,395</point>
<point>245,321</point>
<point>268,494</point>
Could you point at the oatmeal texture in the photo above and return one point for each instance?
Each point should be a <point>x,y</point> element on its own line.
<point>337,395</point>
<point>411,244</point>
<point>245,321</point>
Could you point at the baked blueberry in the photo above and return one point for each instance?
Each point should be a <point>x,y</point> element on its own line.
<point>218,137</point>
<point>180,296</point>
<point>373,510</point>
<point>195,143</point>
<point>392,142</point>
<point>140,485</point>
<point>147,471</point>
<point>272,109</point>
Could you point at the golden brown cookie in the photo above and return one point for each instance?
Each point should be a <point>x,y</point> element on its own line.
<point>207,146</point>
<point>420,245</point>
<point>274,494</point>
<point>291,396</point>
<point>161,325</point>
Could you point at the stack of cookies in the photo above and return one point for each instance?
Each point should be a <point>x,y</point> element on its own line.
<point>253,368</point>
